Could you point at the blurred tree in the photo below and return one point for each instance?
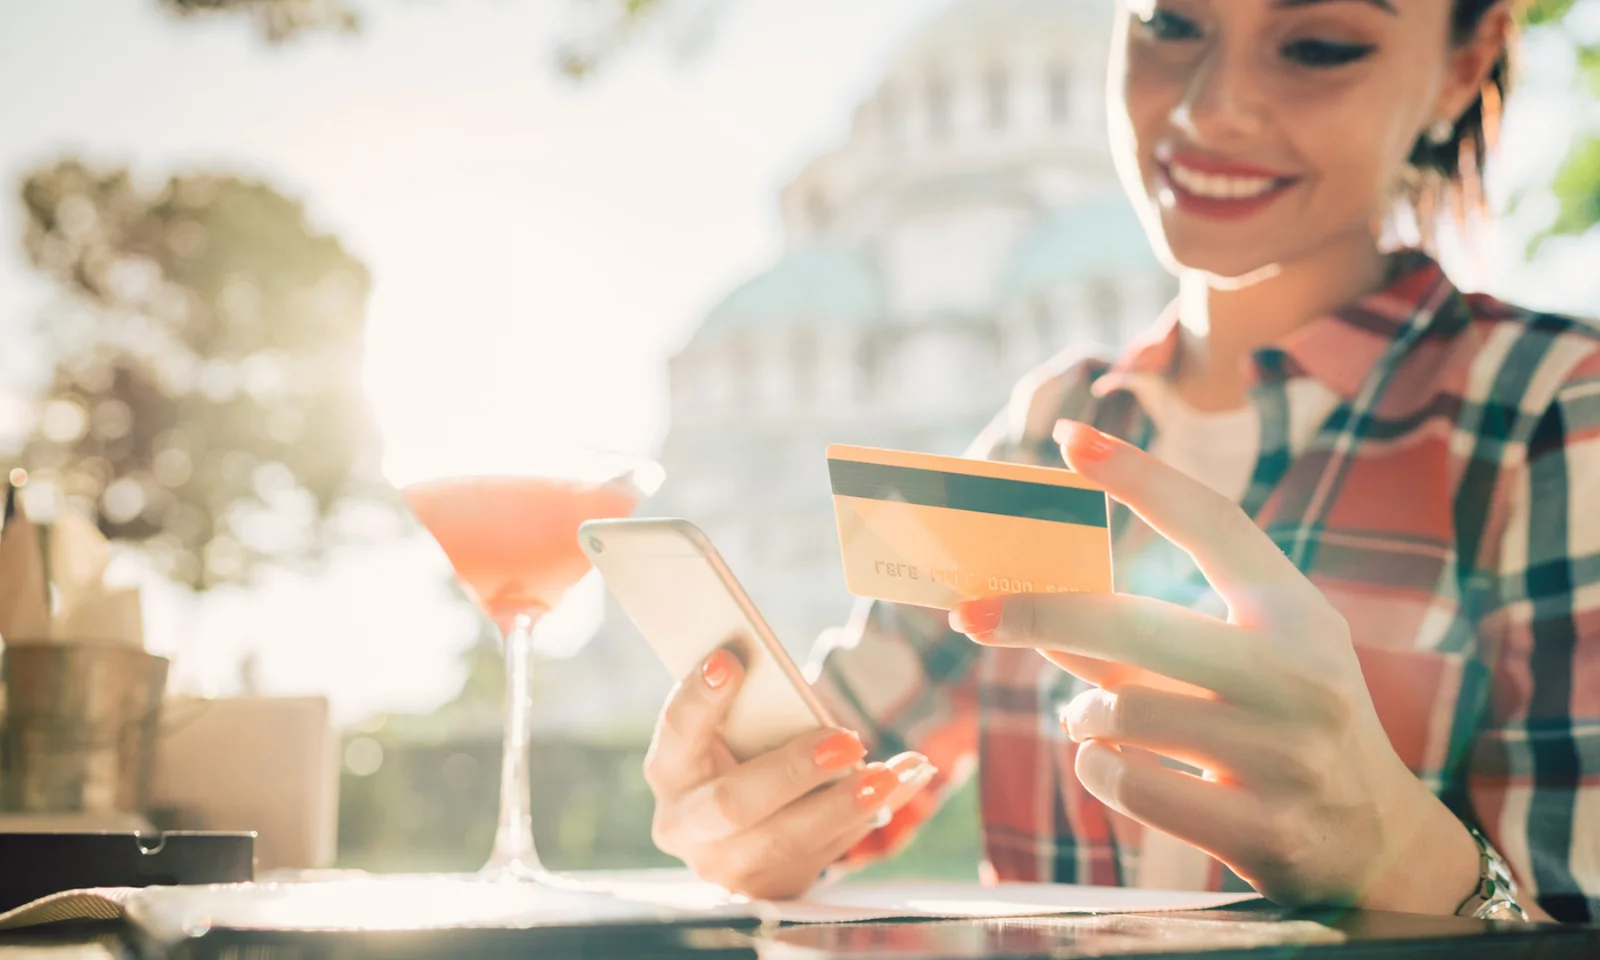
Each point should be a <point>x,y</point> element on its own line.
<point>596,29</point>
<point>278,20</point>
<point>206,399</point>
<point>1577,186</point>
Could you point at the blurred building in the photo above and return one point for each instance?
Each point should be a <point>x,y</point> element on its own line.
<point>969,228</point>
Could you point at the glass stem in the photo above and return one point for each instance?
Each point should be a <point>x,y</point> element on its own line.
<point>514,856</point>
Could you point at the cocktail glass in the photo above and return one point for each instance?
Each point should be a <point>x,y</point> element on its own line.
<point>512,538</point>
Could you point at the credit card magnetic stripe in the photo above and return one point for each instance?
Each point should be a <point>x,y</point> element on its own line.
<point>959,491</point>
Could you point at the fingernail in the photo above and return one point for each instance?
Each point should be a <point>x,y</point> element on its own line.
<point>838,751</point>
<point>1064,717</point>
<point>907,764</point>
<point>919,775</point>
<point>876,787</point>
<point>718,668</point>
<point>977,618</point>
<point>1082,442</point>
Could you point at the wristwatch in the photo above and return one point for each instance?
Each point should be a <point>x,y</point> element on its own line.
<point>1496,896</point>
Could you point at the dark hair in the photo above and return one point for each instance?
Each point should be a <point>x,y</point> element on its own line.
<point>1453,171</point>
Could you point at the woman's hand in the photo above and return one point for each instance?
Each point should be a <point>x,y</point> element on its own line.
<point>768,827</point>
<point>1302,795</point>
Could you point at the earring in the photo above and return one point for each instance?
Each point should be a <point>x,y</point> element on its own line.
<point>1440,131</point>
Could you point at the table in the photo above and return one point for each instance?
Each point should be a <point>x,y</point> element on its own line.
<point>1254,932</point>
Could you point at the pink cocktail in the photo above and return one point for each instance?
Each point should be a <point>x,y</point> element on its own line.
<point>512,540</point>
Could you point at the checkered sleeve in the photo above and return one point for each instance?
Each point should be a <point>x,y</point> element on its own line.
<point>1535,780</point>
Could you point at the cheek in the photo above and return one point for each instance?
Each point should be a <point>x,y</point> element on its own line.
<point>1149,99</point>
<point>1357,139</point>
<point>1358,152</point>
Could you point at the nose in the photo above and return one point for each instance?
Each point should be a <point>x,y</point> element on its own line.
<point>1223,101</point>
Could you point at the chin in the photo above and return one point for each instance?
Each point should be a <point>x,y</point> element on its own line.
<point>1186,245</point>
<point>1225,259</point>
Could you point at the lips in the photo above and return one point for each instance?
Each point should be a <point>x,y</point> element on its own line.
<point>1220,189</point>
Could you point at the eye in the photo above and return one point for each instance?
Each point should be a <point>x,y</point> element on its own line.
<point>1326,54</point>
<point>1169,27</point>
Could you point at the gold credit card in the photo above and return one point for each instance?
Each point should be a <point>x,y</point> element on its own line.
<point>934,531</point>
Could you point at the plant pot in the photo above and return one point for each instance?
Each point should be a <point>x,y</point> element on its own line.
<point>81,722</point>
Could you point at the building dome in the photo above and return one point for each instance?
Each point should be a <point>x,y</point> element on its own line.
<point>966,26</point>
<point>820,286</point>
<point>1077,244</point>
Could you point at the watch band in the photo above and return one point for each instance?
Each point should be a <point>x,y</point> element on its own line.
<point>1496,896</point>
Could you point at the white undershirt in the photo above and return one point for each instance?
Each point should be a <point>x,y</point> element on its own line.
<point>1219,449</point>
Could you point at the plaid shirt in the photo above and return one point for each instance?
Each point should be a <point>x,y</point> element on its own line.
<point>1449,507</point>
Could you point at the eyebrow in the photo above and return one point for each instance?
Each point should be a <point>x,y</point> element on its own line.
<point>1385,5</point>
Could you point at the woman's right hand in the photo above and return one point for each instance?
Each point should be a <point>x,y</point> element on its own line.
<point>766,828</point>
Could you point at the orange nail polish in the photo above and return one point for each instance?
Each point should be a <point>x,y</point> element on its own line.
<point>838,751</point>
<point>977,617</point>
<point>718,668</point>
<point>1082,442</point>
<point>875,788</point>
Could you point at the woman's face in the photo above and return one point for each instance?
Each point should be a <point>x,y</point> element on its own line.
<point>1261,132</point>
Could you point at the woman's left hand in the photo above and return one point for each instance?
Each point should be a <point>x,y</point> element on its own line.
<point>1302,796</point>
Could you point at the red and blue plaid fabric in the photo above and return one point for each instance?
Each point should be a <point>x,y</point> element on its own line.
<point>1449,507</point>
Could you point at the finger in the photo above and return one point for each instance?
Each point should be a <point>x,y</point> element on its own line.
<point>683,749</point>
<point>753,791</point>
<point>1236,556</point>
<point>1142,632</point>
<point>1216,817</point>
<point>854,804</point>
<point>1214,736</point>
<point>1114,676</point>
<point>913,772</point>
<point>789,880</point>
<point>793,879</point>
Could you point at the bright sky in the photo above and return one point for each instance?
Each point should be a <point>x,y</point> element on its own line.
<point>519,230</point>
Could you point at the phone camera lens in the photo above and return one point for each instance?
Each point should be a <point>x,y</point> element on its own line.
<point>595,545</point>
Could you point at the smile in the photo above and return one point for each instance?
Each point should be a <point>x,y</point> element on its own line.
<point>1219,185</point>
<point>1220,190</point>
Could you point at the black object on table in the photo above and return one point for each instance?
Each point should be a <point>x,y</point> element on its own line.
<point>1249,933</point>
<point>34,865</point>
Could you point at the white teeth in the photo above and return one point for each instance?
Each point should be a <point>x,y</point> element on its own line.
<point>1220,186</point>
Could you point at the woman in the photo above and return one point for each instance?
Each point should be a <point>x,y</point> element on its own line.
<point>1355,653</point>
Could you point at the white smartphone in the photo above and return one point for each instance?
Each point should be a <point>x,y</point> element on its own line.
<point>677,590</point>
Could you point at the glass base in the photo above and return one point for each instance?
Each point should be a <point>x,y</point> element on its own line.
<point>515,871</point>
<point>527,873</point>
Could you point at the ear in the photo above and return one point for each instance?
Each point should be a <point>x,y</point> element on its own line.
<point>1470,61</point>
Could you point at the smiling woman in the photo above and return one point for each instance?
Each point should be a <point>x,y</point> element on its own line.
<point>1294,140</point>
<point>1354,656</point>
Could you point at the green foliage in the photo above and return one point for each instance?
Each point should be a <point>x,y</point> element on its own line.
<point>1541,12</point>
<point>1576,186</point>
<point>599,28</point>
<point>430,805</point>
<point>206,400</point>
<point>278,20</point>
<point>1577,189</point>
